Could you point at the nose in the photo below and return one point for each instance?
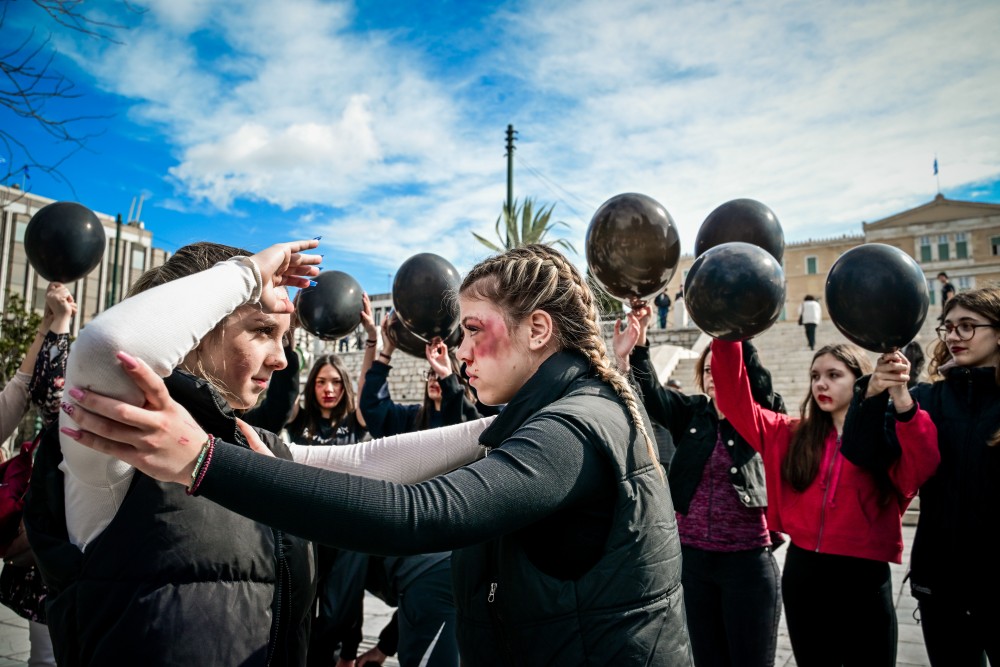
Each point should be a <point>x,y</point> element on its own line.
<point>464,352</point>
<point>276,359</point>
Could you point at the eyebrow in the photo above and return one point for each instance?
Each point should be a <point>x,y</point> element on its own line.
<point>466,319</point>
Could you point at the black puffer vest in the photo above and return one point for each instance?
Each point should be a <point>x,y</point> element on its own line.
<point>173,579</point>
<point>960,504</point>
<point>628,608</point>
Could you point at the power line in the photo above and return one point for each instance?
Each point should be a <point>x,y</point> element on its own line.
<point>550,185</point>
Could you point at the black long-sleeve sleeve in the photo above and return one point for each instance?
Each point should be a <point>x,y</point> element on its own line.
<point>671,409</point>
<point>455,407</point>
<point>869,437</point>
<point>275,410</point>
<point>388,639</point>
<point>382,416</point>
<point>545,467</point>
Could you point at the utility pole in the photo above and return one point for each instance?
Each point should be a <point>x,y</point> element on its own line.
<point>511,136</point>
<point>114,269</point>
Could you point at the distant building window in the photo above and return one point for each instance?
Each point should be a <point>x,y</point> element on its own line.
<point>19,231</point>
<point>961,245</point>
<point>943,254</point>
<point>995,245</point>
<point>965,282</point>
<point>925,249</point>
<point>932,287</point>
<point>139,259</point>
<point>811,266</point>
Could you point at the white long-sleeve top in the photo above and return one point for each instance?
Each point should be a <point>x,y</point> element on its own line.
<point>161,326</point>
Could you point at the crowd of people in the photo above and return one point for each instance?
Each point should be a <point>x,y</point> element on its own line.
<point>195,504</point>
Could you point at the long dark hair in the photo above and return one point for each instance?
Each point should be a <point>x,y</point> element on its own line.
<point>801,464</point>
<point>423,420</point>
<point>339,412</point>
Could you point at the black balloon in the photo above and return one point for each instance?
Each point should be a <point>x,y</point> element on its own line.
<point>745,220</point>
<point>64,241</point>
<point>408,342</point>
<point>632,246</point>
<point>735,291</point>
<point>331,308</point>
<point>877,296</point>
<point>422,295</point>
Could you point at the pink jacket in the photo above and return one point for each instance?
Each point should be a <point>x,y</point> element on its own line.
<point>841,512</point>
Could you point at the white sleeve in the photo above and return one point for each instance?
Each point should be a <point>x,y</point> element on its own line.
<point>13,403</point>
<point>159,326</point>
<point>404,459</point>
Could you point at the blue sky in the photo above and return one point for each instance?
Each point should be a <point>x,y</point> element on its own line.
<point>380,125</point>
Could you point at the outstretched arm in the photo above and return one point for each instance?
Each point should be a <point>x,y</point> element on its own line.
<point>540,469</point>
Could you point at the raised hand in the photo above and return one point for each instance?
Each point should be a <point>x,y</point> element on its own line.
<point>892,372</point>
<point>367,319</point>
<point>59,308</point>
<point>160,438</point>
<point>437,355</point>
<point>284,265</point>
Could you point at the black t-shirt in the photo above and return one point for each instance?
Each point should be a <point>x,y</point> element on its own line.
<point>347,432</point>
<point>946,289</point>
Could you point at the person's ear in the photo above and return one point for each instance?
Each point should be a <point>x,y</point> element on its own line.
<point>540,330</point>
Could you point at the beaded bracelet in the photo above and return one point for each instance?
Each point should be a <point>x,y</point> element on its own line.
<point>201,465</point>
<point>371,343</point>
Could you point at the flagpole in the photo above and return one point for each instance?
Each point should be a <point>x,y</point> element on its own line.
<point>937,176</point>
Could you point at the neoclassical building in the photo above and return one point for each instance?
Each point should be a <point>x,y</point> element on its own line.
<point>960,238</point>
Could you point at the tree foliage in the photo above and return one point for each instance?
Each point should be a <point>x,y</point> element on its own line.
<point>18,328</point>
<point>522,225</point>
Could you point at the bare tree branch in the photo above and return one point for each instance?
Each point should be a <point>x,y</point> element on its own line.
<point>32,89</point>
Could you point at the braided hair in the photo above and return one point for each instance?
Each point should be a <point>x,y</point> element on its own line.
<point>536,277</point>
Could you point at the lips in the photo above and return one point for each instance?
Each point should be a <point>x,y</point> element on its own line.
<point>823,398</point>
<point>957,350</point>
<point>262,383</point>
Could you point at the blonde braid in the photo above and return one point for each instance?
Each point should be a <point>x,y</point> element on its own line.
<point>536,277</point>
<point>594,347</point>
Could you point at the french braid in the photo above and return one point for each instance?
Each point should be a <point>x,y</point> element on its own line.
<point>536,277</point>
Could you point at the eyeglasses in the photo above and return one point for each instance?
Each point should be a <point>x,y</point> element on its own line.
<point>965,330</point>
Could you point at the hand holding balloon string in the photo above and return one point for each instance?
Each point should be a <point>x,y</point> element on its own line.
<point>633,333</point>
<point>367,319</point>
<point>892,372</point>
<point>437,356</point>
<point>59,308</point>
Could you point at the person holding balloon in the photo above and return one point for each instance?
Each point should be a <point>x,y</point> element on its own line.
<point>730,576</point>
<point>844,521</point>
<point>446,398</point>
<point>956,588</point>
<point>139,571</point>
<point>567,543</point>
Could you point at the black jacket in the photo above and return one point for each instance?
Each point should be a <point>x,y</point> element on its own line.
<point>694,425</point>
<point>172,580</point>
<point>512,613</point>
<point>953,555</point>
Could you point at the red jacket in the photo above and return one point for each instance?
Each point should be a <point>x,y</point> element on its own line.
<point>841,512</point>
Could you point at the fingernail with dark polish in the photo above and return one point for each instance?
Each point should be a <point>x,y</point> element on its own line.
<point>313,283</point>
<point>76,393</point>
<point>71,432</point>
<point>317,238</point>
<point>67,408</point>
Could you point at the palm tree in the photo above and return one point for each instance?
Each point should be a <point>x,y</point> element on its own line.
<point>523,225</point>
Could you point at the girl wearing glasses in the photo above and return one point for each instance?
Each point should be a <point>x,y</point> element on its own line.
<point>843,520</point>
<point>956,587</point>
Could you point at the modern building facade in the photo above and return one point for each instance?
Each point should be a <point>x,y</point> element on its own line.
<point>92,293</point>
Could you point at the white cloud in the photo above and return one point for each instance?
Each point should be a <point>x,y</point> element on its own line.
<point>831,113</point>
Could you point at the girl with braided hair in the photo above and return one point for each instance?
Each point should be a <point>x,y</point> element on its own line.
<point>566,546</point>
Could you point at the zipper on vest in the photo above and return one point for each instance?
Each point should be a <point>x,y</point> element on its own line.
<point>826,491</point>
<point>493,592</point>
<point>279,594</point>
